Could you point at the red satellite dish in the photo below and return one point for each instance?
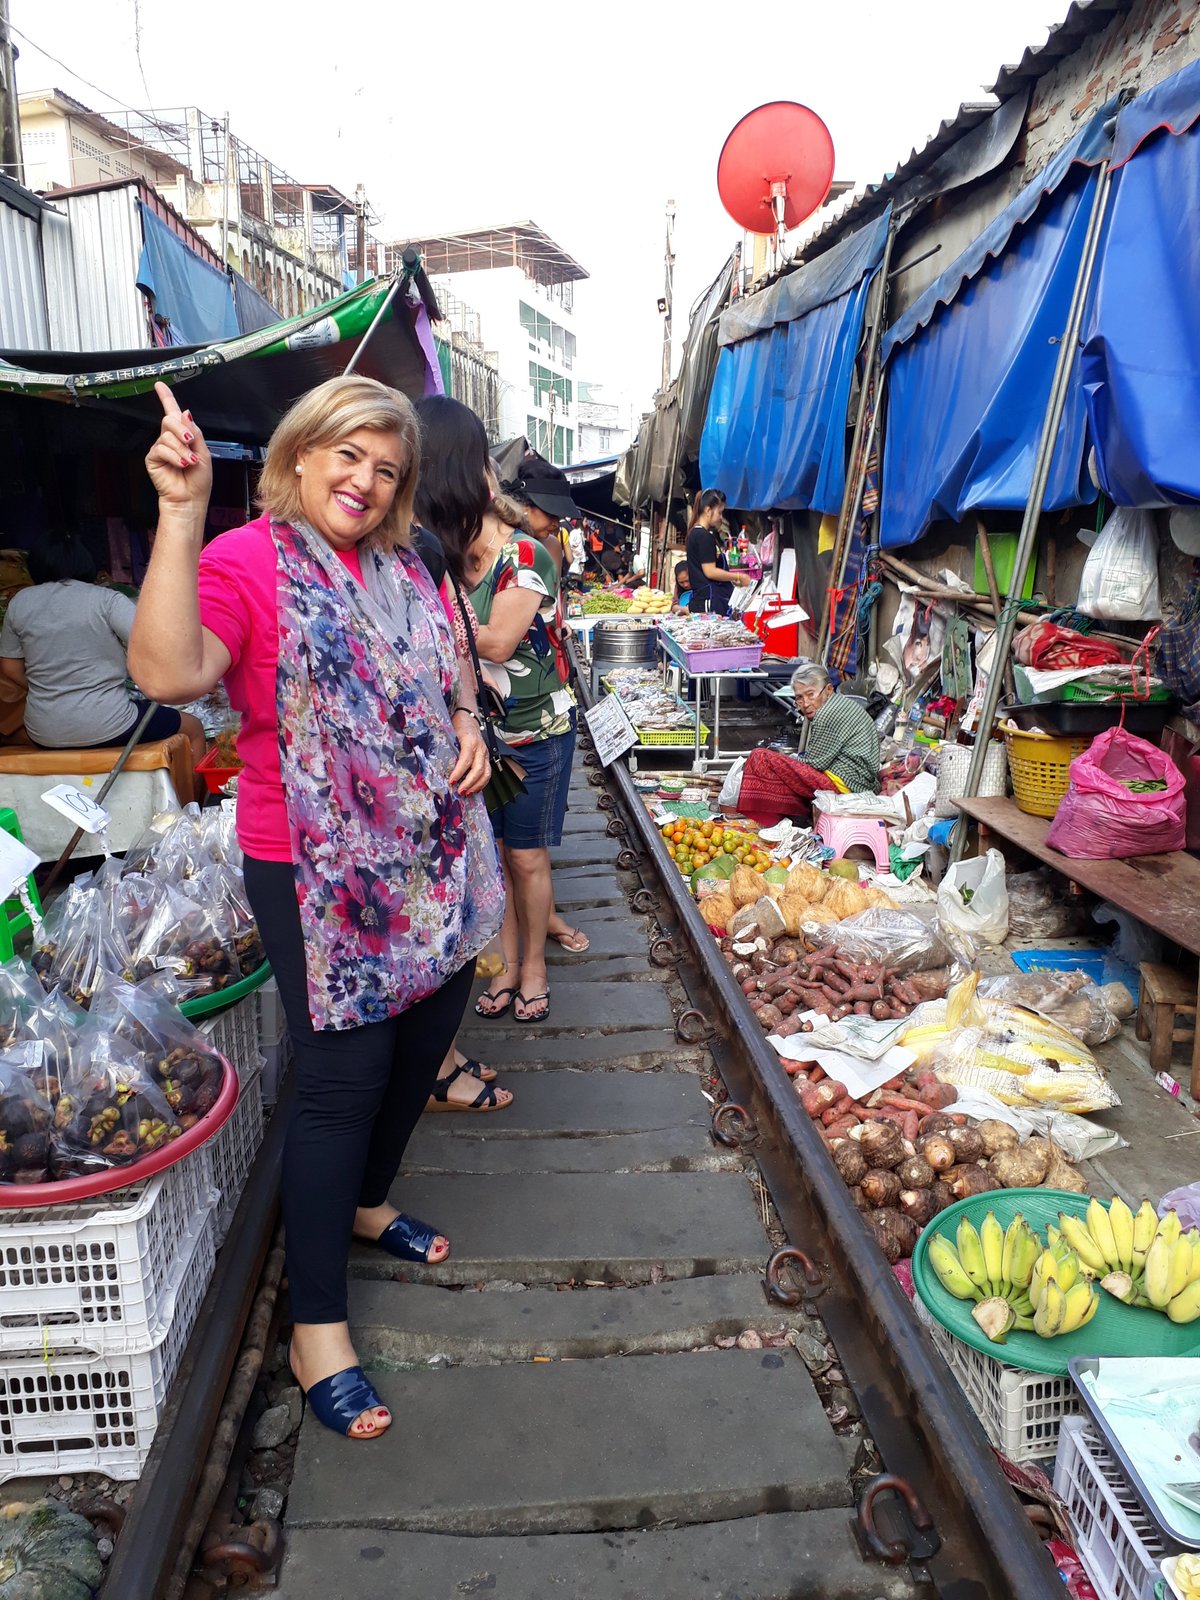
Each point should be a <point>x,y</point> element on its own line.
<point>775,167</point>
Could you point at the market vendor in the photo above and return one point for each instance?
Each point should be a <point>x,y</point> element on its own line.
<point>63,642</point>
<point>842,753</point>
<point>712,581</point>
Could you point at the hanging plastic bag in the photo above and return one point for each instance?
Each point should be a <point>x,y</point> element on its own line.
<point>1119,582</point>
<point>732,787</point>
<point>1126,798</point>
<point>173,1056</point>
<point>20,994</point>
<point>973,900</point>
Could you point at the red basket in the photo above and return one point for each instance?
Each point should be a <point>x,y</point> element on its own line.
<point>216,777</point>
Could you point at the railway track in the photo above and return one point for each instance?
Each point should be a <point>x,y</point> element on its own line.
<point>940,1517</point>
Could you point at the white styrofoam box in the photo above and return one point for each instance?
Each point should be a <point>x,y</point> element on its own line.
<point>97,1273</point>
<point>1117,1543</point>
<point>72,1411</point>
<point>233,1149</point>
<point>234,1033</point>
<point>1020,1411</point>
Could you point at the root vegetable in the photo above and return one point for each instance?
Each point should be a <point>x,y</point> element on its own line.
<point>915,1172</point>
<point>851,1163</point>
<point>818,1097</point>
<point>843,1127</point>
<point>769,1017</point>
<point>1060,1174</point>
<point>919,1205</point>
<point>943,1195</point>
<point>856,1195</point>
<point>938,1095</point>
<point>881,1187</point>
<point>969,1180</point>
<point>938,1151</point>
<point>894,1233</point>
<point>943,1121</point>
<point>997,1136</point>
<point>786,952</point>
<point>761,963</point>
<point>1019,1168</point>
<point>967,1144</point>
<point>882,1145</point>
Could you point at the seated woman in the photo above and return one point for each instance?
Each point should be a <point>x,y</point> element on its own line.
<point>63,641</point>
<point>842,753</point>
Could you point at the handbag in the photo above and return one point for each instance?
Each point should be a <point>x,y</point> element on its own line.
<point>508,775</point>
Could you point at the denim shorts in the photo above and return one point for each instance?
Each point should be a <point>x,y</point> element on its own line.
<point>534,820</point>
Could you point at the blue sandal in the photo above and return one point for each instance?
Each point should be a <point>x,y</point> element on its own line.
<point>339,1401</point>
<point>409,1239</point>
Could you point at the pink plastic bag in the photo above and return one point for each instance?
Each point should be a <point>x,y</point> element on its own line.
<point>1101,817</point>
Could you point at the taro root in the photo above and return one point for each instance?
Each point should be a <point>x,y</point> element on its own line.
<point>785,951</point>
<point>997,1136</point>
<point>1060,1174</point>
<point>943,1194</point>
<point>938,1151</point>
<point>915,1172</point>
<point>968,1146</point>
<point>938,1122</point>
<point>769,1017</point>
<point>1020,1168</point>
<point>881,1187</point>
<point>969,1180</point>
<point>919,1205</point>
<point>850,1162</point>
<point>894,1233</point>
<point>881,1143</point>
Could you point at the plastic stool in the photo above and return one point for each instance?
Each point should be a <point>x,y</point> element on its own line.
<point>840,832</point>
<point>14,918</point>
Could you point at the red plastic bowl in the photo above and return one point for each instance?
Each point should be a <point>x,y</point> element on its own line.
<point>22,1195</point>
<point>216,777</point>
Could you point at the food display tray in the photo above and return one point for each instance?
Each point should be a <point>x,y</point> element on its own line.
<point>698,662</point>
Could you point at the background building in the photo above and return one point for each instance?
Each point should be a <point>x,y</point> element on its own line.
<point>604,422</point>
<point>521,285</point>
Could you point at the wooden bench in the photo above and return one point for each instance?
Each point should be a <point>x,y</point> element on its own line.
<point>1161,891</point>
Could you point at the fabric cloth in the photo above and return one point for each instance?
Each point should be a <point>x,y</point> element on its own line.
<point>775,786</point>
<point>238,605</point>
<point>358,1095</point>
<point>703,548</point>
<point>1049,648</point>
<point>532,682</point>
<point>71,637</point>
<point>165,722</point>
<point>396,873</point>
<point>843,741</point>
<point>534,820</point>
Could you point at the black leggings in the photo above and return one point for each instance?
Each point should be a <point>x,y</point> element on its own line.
<point>358,1096</point>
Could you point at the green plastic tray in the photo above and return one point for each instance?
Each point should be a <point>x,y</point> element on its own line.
<point>1115,1330</point>
<point>222,999</point>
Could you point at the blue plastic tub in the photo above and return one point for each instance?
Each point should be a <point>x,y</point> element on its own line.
<point>1099,964</point>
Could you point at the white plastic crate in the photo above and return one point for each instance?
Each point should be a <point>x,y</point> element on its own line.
<point>272,1024</point>
<point>1020,1411</point>
<point>233,1150</point>
<point>1117,1543</point>
<point>97,1274</point>
<point>71,1411</point>
<point>277,1058</point>
<point>235,1034</point>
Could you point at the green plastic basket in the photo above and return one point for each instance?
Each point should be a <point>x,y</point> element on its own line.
<point>1115,1330</point>
<point>680,738</point>
<point>1093,694</point>
<point>222,999</point>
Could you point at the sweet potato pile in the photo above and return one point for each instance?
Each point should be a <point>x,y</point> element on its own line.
<point>788,981</point>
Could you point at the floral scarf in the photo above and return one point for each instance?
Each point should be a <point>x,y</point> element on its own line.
<point>397,876</point>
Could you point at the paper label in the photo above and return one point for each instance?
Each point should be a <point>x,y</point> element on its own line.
<point>17,861</point>
<point>79,810</point>
<point>321,333</point>
<point>611,730</point>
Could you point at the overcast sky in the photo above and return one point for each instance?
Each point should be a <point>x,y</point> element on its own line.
<point>585,118</point>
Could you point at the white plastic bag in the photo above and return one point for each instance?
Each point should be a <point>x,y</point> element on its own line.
<point>1119,582</point>
<point>972,898</point>
<point>732,787</point>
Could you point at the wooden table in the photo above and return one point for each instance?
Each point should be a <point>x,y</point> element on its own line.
<point>1161,891</point>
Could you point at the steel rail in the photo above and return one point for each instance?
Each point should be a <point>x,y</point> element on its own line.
<point>914,1410</point>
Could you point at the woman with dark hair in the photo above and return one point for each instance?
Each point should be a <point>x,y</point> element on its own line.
<point>511,585</point>
<point>63,642</point>
<point>712,582</point>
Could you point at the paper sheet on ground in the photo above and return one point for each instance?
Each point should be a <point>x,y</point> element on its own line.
<point>857,1075</point>
<point>1152,1405</point>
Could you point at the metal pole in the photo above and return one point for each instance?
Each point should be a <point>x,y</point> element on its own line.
<point>1006,622</point>
<point>225,200</point>
<point>360,232</point>
<point>858,455</point>
<point>117,768</point>
<point>668,294</point>
<point>375,321</point>
<point>10,124</point>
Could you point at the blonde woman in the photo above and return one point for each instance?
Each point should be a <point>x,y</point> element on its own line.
<point>368,856</point>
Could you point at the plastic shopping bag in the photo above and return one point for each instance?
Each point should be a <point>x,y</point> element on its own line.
<point>1119,582</point>
<point>973,899</point>
<point>1126,799</point>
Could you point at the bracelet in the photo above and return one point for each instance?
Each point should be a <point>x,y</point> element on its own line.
<point>468,711</point>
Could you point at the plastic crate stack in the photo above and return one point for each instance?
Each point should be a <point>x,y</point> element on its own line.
<point>1118,1544</point>
<point>97,1302</point>
<point>236,1034</point>
<point>274,1042</point>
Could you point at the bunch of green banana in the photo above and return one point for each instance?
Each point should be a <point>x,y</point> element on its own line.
<point>993,1266</point>
<point>1060,1291</point>
<point>1146,1261</point>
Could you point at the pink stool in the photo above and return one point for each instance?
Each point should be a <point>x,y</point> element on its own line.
<point>840,832</point>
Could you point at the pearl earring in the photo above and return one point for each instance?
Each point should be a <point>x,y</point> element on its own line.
<point>299,469</point>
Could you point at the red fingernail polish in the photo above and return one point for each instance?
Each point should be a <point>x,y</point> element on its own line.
<point>195,460</point>
<point>183,461</point>
<point>187,438</point>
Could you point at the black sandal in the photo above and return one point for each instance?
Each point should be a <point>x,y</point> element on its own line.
<point>499,995</point>
<point>532,1000</point>
<point>486,1100</point>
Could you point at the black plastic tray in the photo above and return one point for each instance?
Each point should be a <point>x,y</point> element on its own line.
<point>1148,719</point>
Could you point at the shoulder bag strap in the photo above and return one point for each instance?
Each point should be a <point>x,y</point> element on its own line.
<point>481,688</point>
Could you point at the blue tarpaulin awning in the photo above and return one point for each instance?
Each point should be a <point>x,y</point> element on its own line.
<point>1141,355</point>
<point>775,433</point>
<point>970,364</point>
<point>192,296</point>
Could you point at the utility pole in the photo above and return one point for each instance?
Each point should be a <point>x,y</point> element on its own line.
<point>552,400</point>
<point>11,164</point>
<point>225,198</point>
<point>360,222</point>
<point>667,301</point>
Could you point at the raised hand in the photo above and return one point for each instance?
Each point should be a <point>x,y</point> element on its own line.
<point>179,464</point>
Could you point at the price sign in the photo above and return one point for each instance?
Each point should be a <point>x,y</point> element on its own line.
<point>17,861</point>
<point>79,811</point>
<point>611,730</point>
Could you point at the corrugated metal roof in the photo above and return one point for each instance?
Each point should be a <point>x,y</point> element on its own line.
<point>1084,19</point>
<point>22,291</point>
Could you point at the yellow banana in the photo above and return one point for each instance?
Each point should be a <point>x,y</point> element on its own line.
<point>1101,1230</point>
<point>1156,1284</point>
<point>1145,1225</point>
<point>943,1258</point>
<point>1048,1318</point>
<point>1084,1243</point>
<point>1169,1227</point>
<point>1043,1268</point>
<point>1121,1219</point>
<point>970,1253</point>
<point>1052,1236</point>
<point>991,1237</point>
<point>1185,1307</point>
<point>1065,1271</point>
<point>1181,1266</point>
<point>1195,1273</point>
<point>1029,1248</point>
<point>1079,1306</point>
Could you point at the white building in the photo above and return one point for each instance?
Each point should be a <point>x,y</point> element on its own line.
<point>522,285</point>
<point>604,422</point>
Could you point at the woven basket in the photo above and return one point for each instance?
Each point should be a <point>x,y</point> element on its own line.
<point>1040,764</point>
<point>954,761</point>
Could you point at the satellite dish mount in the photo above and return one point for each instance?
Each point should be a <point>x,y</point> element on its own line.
<point>775,169</point>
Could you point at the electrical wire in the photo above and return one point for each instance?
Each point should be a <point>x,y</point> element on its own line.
<point>79,78</point>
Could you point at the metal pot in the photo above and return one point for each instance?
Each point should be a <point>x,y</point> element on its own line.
<point>616,642</point>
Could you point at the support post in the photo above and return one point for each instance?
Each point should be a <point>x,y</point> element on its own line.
<point>11,164</point>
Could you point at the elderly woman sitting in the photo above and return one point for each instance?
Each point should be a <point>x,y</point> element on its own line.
<point>842,753</point>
